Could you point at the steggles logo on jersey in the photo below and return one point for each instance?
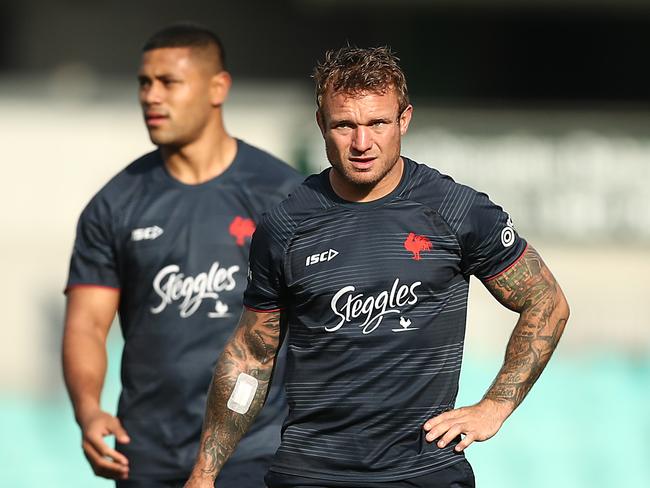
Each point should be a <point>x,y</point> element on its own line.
<point>220,310</point>
<point>349,306</point>
<point>416,244</point>
<point>171,285</point>
<point>146,233</point>
<point>406,325</point>
<point>241,228</point>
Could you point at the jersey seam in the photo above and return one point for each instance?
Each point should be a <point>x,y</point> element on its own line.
<point>496,275</point>
<point>258,310</point>
<point>89,285</point>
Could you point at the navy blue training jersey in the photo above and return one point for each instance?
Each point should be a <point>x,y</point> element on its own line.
<point>178,254</point>
<point>375,298</point>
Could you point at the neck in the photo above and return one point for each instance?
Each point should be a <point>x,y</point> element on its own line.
<point>201,160</point>
<point>355,192</point>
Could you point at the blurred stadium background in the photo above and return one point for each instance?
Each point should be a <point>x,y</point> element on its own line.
<point>546,107</point>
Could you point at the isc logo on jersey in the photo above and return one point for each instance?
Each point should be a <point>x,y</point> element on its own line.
<point>146,233</point>
<point>321,257</point>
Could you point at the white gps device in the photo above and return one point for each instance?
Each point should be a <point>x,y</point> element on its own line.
<point>242,395</point>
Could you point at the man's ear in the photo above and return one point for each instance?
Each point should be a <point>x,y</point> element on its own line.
<point>219,88</point>
<point>320,121</point>
<point>405,119</point>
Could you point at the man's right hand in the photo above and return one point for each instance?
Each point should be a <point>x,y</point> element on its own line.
<point>105,461</point>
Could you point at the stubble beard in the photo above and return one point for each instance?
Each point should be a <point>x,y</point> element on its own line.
<point>363,180</point>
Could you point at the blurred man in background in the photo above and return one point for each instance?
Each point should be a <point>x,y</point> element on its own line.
<point>368,265</point>
<point>166,243</point>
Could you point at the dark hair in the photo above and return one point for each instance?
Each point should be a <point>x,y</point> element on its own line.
<point>355,70</point>
<point>187,34</point>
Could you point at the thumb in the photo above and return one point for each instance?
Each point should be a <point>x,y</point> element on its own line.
<point>119,432</point>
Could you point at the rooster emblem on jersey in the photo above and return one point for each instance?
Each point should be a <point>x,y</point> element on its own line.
<point>241,228</point>
<point>416,244</point>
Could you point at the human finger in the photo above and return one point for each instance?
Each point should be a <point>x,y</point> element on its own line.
<point>119,432</point>
<point>435,422</point>
<point>96,440</point>
<point>436,430</point>
<point>103,466</point>
<point>467,440</point>
<point>446,416</point>
<point>452,433</point>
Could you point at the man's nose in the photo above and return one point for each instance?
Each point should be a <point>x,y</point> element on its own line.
<point>151,94</point>
<point>361,139</point>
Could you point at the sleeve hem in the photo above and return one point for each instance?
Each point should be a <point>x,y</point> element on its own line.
<point>257,310</point>
<point>494,276</point>
<point>89,285</point>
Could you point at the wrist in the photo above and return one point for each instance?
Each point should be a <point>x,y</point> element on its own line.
<point>200,473</point>
<point>499,409</point>
<point>85,410</point>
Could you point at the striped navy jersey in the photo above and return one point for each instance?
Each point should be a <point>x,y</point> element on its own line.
<point>375,298</point>
<point>178,254</point>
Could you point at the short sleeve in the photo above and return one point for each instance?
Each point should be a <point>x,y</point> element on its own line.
<point>266,284</point>
<point>93,260</point>
<point>489,241</point>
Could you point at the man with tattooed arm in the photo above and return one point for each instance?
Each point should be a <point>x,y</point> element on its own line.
<point>367,267</point>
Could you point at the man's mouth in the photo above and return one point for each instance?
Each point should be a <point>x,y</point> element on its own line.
<point>363,163</point>
<point>153,119</point>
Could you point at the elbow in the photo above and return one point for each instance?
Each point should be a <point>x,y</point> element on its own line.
<point>563,308</point>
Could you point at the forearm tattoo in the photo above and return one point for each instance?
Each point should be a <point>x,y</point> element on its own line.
<point>250,350</point>
<point>530,289</point>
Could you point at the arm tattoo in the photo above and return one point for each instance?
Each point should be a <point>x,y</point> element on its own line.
<point>250,350</point>
<point>530,289</point>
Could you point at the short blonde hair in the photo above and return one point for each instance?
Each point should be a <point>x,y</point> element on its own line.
<point>356,70</point>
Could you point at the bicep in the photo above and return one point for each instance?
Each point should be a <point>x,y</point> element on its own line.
<point>526,283</point>
<point>260,333</point>
<point>91,310</point>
